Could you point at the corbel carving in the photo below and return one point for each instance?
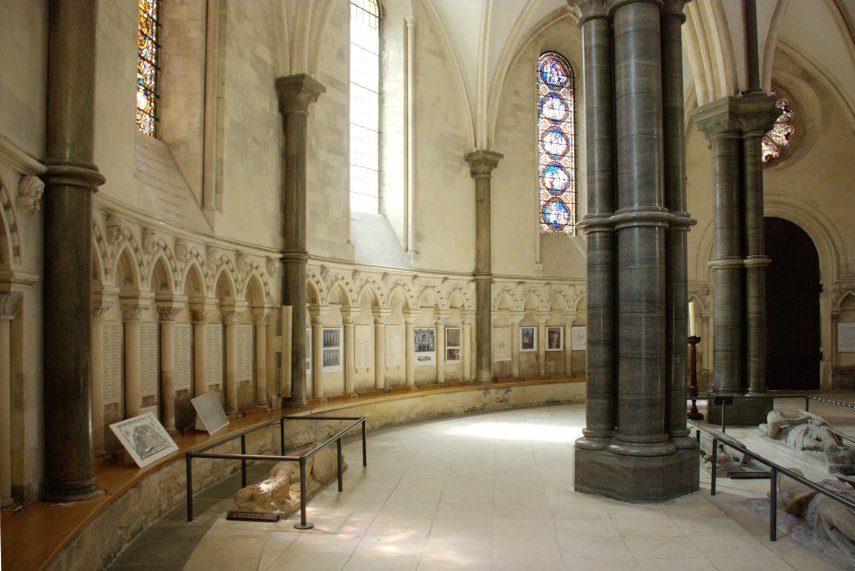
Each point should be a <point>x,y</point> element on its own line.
<point>30,191</point>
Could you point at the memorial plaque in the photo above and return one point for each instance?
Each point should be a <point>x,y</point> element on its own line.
<point>210,415</point>
<point>149,362</point>
<point>112,362</point>
<point>144,438</point>
<point>579,338</point>
<point>424,346</point>
<point>501,344</point>
<point>846,337</point>
<point>214,350</point>
<point>364,356</point>
<point>183,375</point>
<point>394,341</point>
<point>245,353</point>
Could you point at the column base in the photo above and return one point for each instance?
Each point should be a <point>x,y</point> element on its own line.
<point>636,478</point>
<point>289,404</point>
<point>71,492</point>
<point>745,410</point>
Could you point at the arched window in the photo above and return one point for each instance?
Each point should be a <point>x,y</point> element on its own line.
<point>364,105</point>
<point>779,137</point>
<point>556,147</point>
<point>147,46</point>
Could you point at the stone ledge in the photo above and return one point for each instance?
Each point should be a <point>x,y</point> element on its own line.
<point>88,535</point>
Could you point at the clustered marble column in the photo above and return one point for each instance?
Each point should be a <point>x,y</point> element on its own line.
<point>70,181</point>
<point>481,165</point>
<point>296,93</point>
<point>634,445</point>
<point>8,308</point>
<point>734,127</point>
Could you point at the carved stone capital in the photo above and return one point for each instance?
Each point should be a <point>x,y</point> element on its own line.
<point>168,311</point>
<point>482,163</point>
<point>100,306</point>
<point>591,9</point>
<point>30,191</point>
<point>133,311</point>
<point>199,311</point>
<point>733,116</point>
<point>149,241</point>
<point>117,230</point>
<point>381,315</point>
<point>182,250</point>
<point>9,304</point>
<point>272,267</point>
<point>260,315</point>
<point>297,92</point>
<point>232,310</point>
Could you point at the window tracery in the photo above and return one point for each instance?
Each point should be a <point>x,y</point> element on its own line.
<point>147,68</point>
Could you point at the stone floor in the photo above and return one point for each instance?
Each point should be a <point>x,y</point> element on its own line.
<point>491,492</point>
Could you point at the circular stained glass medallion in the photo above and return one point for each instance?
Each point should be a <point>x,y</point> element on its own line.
<point>556,214</point>
<point>553,72</point>
<point>554,108</point>
<point>555,179</point>
<point>555,143</point>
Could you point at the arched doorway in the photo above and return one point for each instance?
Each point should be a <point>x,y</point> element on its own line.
<point>792,308</point>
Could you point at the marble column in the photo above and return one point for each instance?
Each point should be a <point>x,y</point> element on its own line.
<point>481,165</point>
<point>466,348</point>
<point>70,180</point>
<point>601,188</point>
<point>542,317</point>
<point>230,346</point>
<point>274,392</point>
<point>409,348</point>
<point>8,307</point>
<point>349,353</point>
<point>296,93</point>
<point>100,306</point>
<point>199,313</point>
<point>317,353</point>
<point>674,182</point>
<point>627,451</point>
<point>132,313</point>
<point>167,312</point>
<point>515,317</point>
<point>569,318</point>
<point>441,316</point>
<point>380,317</point>
<point>260,316</point>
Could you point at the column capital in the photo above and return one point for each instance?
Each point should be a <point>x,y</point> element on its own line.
<point>675,8</point>
<point>132,310</point>
<point>411,21</point>
<point>542,317</point>
<point>410,315</point>
<point>466,316</point>
<point>168,310</point>
<point>318,312</point>
<point>297,92</point>
<point>591,9</point>
<point>260,315</point>
<point>482,163</point>
<point>381,315</point>
<point>232,309</point>
<point>9,304</point>
<point>515,317</point>
<point>200,310</point>
<point>733,116</point>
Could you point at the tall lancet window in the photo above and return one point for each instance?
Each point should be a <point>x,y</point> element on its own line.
<point>364,105</point>
<point>556,148</point>
<point>147,47</point>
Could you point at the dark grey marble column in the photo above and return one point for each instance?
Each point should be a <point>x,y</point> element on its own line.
<point>674,167</point>
<point>71,179</point>
<point>600,164</point>
<point>481,165</point>
<point>640,221</point>
<point>296,93</point>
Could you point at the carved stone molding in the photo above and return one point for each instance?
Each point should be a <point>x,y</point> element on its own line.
<point>134,311</point>
<point>9,304</point>
<point>30,191</point>
<point>168,312</point>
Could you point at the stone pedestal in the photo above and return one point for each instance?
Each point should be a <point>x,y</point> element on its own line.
<point>745,411</point>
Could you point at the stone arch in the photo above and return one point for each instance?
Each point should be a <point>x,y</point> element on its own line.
<point>10,242</point>
<point>313,295</point>
<point>505,301</point>
<point>368,293</point>
<point>224,285</point>
<point>254,291</point>
<point>398,293</point>
<point>429,297</point>
<point>161,280</point>
<point>456,299</point>
<point>100,255</point>
<point>126,270</point>
<point>339,291</point>
<point>194,282</point>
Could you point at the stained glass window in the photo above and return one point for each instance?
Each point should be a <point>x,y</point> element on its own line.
<point>364,105</point>
<point>147,46</point>
<point>779,137</point>
<point>556,145</point>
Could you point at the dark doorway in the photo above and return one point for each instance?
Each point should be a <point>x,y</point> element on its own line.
<point>792,308</point>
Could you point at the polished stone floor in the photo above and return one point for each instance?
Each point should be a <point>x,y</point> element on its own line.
<point>492,492</point>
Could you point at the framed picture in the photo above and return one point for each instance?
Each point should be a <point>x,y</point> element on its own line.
<point>424,346</point>
<point>452,344</point>
<point>144,438</point>
<point>554,338</point>
<point>331,349</point>
<point>528,338</point>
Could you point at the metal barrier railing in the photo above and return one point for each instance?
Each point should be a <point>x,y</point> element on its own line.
<point>201,452</point>
<point>774,469</point>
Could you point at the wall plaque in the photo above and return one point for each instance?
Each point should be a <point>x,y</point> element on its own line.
<point>846,337</point>
<point>183,356</point>
<point>112,362</point>
<point>214,352</point>
<point>394,342</point>
<point>144,438</point>
<point>501,344</point>
<point>364,348</point>
<point>245,352</point>
<point>149,361</point>
<point>424,346</point>
<point>579,338</point>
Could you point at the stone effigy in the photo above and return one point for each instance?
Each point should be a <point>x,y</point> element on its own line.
<point>280,491</point>
<point>805,431</point>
